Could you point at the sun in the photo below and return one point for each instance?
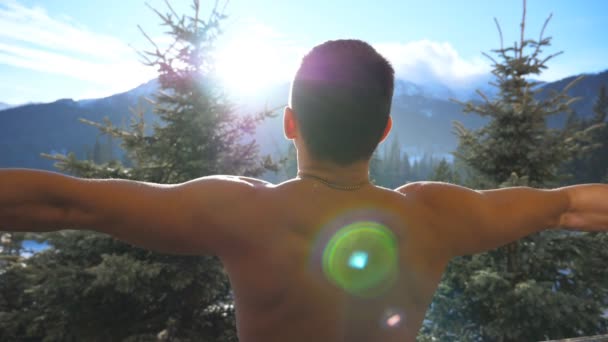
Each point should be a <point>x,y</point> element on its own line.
<point>248,65</point>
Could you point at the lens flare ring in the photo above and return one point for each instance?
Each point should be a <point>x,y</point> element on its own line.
<point>362,258</point>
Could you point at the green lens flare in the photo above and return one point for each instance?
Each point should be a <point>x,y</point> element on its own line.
<point>362,259</point>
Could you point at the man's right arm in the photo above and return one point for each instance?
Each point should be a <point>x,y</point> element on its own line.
<point>469,221</point>
<point>206,216</point>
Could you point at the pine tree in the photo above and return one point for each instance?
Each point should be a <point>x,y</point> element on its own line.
<point>591,164</point>
<point>547,285</point>
<point>290,163</point>
<point>12,281</point>
<point>444,172</point>
<point>90,287</point>
<point>393,167</point>
<point>406,168</point>
<point>375,168</point>
<point>597,164</point>
<point>600,108</point>
<point>389,166</point>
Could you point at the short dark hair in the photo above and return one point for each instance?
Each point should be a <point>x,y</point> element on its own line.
<point>341,96</point>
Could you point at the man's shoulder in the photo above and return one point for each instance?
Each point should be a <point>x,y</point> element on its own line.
<point>431,193</point>
<point>417,187</point>
<point>223,185</point>
<point>255,181</point>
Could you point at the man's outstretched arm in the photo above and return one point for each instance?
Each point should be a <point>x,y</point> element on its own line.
<point>469,221</point>
<point>203,216</point>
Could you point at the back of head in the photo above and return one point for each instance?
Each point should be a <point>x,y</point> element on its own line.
<point>341,96</point>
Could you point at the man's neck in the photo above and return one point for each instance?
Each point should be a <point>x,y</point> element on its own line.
<point>356,173</point>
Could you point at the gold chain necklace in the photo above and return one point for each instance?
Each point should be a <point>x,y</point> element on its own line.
<point>333,185</point>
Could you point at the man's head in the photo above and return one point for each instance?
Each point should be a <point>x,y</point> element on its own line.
<point>341,99</point>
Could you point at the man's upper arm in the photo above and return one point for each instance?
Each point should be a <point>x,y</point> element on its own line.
<point>469,221</point>
<point>209,215</point>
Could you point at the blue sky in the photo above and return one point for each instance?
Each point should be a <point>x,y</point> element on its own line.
<point>67,49</point>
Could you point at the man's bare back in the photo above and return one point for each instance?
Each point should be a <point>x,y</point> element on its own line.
<point>273,240</point>
<point>282,292</point>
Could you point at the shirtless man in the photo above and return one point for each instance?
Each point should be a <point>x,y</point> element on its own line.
<point>325,256</point>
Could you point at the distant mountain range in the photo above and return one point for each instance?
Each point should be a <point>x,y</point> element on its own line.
<point>422,119</point>
<point>5,106</point>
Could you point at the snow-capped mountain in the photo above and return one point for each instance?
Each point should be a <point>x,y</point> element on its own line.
<point>422,119</point>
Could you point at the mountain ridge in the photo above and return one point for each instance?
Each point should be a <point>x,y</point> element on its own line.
<point>422,123</point>
<point>4,106</point>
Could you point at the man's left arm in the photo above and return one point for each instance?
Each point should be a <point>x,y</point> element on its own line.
<point>467,221</point>
<point>204,216</point>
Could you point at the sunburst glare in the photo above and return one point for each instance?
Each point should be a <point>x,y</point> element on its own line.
<point>253,61</point>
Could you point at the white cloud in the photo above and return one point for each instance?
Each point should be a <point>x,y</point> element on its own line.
<point>427,61</point>
<point>57,63</point>
<point>34,26</point>
<point>31,39</point>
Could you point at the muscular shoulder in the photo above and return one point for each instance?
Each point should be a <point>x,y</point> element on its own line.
<point>254,182</point>
<point>221,188</point>
<point>436,194</point>
<point>421,188</point>
<point>436,206</point>
<point>226,209</point>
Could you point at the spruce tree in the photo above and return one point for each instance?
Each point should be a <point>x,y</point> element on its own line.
<point>394,168</point>
<point>389,166</point>
<point>375,168</point>
<point>591,164</point>
<point>547,285</point>
<point>599,157</point>
<point>596,161</point>
<point>91,287</point>
<point>444,172</point>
